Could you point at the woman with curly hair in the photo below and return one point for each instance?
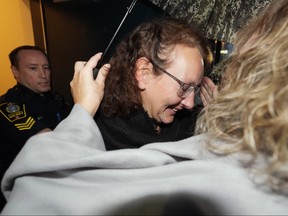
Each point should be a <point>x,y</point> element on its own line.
<point>154,76</point>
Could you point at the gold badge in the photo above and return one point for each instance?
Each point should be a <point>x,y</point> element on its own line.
<point>12,108</point>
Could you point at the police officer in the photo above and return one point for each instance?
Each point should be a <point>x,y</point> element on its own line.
<point>30,107</point>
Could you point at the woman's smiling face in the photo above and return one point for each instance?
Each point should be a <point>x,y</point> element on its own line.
<point>160,97</point>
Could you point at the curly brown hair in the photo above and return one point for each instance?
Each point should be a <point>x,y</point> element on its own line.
<point>154,40</point>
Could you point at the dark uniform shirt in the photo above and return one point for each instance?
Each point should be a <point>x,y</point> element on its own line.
<point>24,113</point>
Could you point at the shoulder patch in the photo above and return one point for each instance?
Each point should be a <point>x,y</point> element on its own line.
<point>12,111</point>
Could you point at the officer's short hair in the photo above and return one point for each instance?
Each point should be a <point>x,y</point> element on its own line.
<point>13,55</point>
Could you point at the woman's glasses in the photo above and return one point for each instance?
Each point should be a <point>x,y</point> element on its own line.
<point>185,89</point>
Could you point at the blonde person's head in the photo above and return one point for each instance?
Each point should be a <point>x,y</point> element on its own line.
<point>251,109</point>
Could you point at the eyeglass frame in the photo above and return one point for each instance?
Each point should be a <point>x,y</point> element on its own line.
<point>183,86</point>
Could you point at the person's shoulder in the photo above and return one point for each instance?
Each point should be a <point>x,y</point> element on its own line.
<point>15,94</point>
<point>9,93</point>
<point>14,118</point>
<point>12,111</point>
<point>2,98</point>
<point>8,105</point>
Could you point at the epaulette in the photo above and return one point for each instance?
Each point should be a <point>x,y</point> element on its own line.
<point>13,112</point>
<point>2,98</point>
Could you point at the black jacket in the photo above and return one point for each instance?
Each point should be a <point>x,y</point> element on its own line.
<point>138,129</point>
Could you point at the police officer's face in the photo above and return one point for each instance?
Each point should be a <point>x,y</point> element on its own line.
<point>33,70</point>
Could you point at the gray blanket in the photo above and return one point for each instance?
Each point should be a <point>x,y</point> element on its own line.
<point>68,172</point>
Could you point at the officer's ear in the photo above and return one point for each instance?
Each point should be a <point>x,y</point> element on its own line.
<point>15,72</point>
<point>143,72</point>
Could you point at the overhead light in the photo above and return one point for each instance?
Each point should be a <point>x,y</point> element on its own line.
<point>224,52</point>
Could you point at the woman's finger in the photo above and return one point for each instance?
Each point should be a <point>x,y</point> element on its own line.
<point>79,65</point>
<point>92,62</point>
<point>204,96</point>
<point>208,90</point>
<point>102,73</point>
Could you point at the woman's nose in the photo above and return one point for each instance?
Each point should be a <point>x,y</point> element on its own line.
<point>188,102</point>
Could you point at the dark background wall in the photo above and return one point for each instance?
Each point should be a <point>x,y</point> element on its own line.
<point>75,30</point>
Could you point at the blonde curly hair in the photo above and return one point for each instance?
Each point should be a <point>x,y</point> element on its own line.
<point>251,110</point>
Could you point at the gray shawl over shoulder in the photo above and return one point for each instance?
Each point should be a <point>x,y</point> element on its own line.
<point>69,172</point>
